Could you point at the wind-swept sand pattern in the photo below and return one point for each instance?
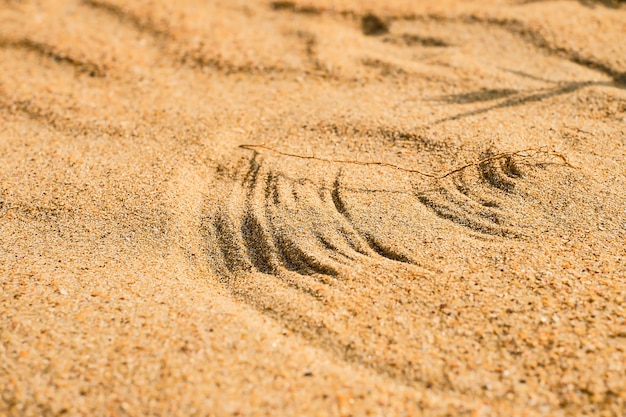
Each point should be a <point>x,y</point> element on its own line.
<point>312,208</point>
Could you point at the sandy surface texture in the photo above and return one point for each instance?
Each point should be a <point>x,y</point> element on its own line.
<point>312,208</point>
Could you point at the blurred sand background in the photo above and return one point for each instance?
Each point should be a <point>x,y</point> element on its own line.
<point>427,215</point>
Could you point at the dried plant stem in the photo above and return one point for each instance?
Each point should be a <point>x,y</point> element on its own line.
<point>524,153</point>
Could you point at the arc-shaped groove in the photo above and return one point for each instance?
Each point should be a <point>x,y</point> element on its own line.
<point>445,207</point>
<point>474,199</point>
<point>494,175</point>
<point>337,201</point>
<point>373,243</point>
<point>465,187</point>
<point>386,251</point>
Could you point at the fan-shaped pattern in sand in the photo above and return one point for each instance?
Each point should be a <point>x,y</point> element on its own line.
<point>275,222</point>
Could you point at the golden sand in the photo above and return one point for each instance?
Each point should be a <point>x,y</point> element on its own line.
<point>325,208</point>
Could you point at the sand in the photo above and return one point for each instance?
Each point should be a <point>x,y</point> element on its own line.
<point>312,208</point>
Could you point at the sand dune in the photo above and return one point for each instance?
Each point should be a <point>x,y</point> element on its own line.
<point>312,208</point>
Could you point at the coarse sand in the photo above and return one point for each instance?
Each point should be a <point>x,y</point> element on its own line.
<point>312,208</point>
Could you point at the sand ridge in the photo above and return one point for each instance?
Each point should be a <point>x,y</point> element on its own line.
<point>213,208</point>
